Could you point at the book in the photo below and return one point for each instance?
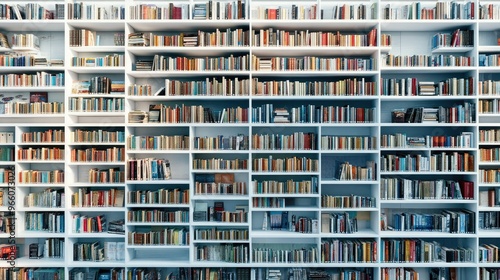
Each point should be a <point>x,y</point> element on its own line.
<point>36,251</point>
<point>38,97</point>
<point>160,92</point>
<point>119,198</point>
<point>154,113</point>
<point>200,212</point>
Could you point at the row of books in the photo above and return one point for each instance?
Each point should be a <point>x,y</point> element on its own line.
<point>30,153</point>
<point>38,79</point>
<point>286,187</point>
<point>349,172</point>
<point>24,108</point>
<point>489,154</point>
<point>38,272</point>
<point>489,197</point>
<point>490,135</point>
<point>489,176</point>
<point>49,198</point>
<point>348,250</point>
<point>220,164</point>
<point>183,113</point>
<point>488,106</point>
<point>153,11</point>
<point>157,216</point>
<point>294,12</point>
<point>98,85</point>
<point>82,38</point>
<point>148,169</point>
<point>159,196</point>
<point>414,87</point>
<point>268,113</point>
<point>47,136</point>
<point>345,222</point>
<point>404,273</point>
<point>7,154</point>
<point>223,86</point>
<point>7,221</point>
<point>350,201</point>
<point>488,220</point>
<point>402,140</point>
<point>285,38</point>
<point>109,175</point>
<point>164,63</point>
<point>51,248</point>
<point>295,141</point>
<point>461,113</point>
<point>269,255</point>
<point>96,104</point>
<point>86,224</point>
<point>349,11</point>
<point>268,202</point>
<point>97,273</point>
<point>343,87</point>
<point>334,142</point>
<point>458,38</point>
<point>111,60</point>
<point>312,63</point>
<point>488,11</point>
<point>85,197</point>
<point>216,213</point>
<point>97,252</point>
<point>489,273</point>
<point>96,136</point>
<point>45,222</point>
<point>31,11</point>
<point>219,10</point>
<point>300,273</point>
<point>488,87</point>
<point>41,176</point>
<point>95,11</point>
<point>440,10</point>
<point>419,251</point>
<point>17,59</point>
<point>229,253</point>
<point>404,188</point>
<point>86,37</point>
<point>292,164</point>
<point>456,221</point>
<point>215,233</point>
<point>488,60</point>
<point>213,188</point>
<point>422,60</point>
<point>221,142</point>
<point>166,236</point>
<point>7,137</point>
<point>434,163</point>
<point>112,154</point>
<point>227,37</point>
<point>158,142</point>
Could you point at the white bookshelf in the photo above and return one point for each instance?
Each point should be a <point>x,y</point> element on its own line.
<point>408,37</point>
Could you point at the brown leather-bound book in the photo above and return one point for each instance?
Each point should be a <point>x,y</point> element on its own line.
<point>491,198</point>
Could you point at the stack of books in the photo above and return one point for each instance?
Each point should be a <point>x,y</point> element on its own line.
<point>116,227</point>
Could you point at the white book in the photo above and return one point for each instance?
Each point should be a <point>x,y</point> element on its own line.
<point>10,137</point>
<point>110,251</point>
<point>120,251</point>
